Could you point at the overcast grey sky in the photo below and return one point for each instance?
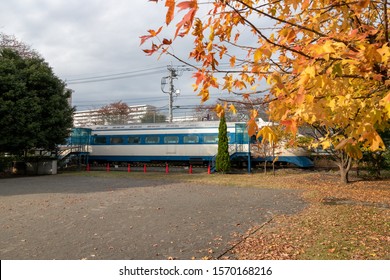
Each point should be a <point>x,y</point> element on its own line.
<point>96,38</point>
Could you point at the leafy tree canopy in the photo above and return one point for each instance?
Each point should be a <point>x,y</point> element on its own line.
<point>11,42</point>
<point>326,62</point>
<point>34,107</point>
<point>115,113</point>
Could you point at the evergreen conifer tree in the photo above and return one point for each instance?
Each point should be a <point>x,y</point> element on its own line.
<point>223,157</point>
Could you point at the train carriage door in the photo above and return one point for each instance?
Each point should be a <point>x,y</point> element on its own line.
<point>171,142</point>
<point>171,149</point>
<point>241,137</point>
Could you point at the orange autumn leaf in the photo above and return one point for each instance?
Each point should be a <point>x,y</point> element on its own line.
<point>291,126</point>
<point>152,33</point>
<point>232,61</point>
<point>167,42</point>
<point>171,10</point>
<point>188,18</point>
<point>252,127</point>
<point>200,76</point>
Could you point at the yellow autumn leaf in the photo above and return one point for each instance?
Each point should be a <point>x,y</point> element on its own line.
<point>291,35</point>
<point>205,94</point>
<point>326,144</point>
<point>267,135</point>
<point>332,104</point>
<point>387,108</point>
<point>220,110</point>
<point>209,46</point>
<point>232,108</point>
<point>384,51</point>
<point>376,143</point>
<point>254,114</point>
<point>386,99</point>
<point>327,47</point>
<point>228,85</point>
<point>211,36</point>
<point>257,56</point>
<point>195,87</point>
<point>310,71</point>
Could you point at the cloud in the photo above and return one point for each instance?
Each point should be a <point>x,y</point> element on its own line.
<point>81,39</point>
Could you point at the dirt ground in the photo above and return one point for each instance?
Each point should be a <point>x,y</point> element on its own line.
<point>84,217</point>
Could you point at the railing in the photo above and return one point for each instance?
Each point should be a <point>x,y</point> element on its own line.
<point>68,152</point>
<point>69,149</point>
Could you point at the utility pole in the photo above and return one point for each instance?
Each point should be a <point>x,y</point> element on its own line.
<point>173,74</point>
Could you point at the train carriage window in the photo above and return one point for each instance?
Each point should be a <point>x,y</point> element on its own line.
<point>171,139</point>
<point>152,139</point>
<point>134,140</point>
<point>100,140</point>
<point>116,140</point>
<point>191,139</point>
<point>210,139</point>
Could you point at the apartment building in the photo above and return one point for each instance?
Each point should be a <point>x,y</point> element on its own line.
<point>94,117</point>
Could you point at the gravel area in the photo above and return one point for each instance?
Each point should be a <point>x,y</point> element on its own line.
<point>78,217</point>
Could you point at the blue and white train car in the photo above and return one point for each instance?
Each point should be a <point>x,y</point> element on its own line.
<point>156,142</point>
<point>194,142</point>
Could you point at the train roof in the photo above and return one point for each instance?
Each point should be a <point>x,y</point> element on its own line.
<point>179,125</point>
<point>144,126</point>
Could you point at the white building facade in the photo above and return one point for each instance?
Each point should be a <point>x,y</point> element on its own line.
<point>92,117</point>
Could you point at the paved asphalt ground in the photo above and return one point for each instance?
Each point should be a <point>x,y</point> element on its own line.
<point>77,217</point>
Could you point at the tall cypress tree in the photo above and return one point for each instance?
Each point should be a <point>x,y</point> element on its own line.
<point>223,157</point>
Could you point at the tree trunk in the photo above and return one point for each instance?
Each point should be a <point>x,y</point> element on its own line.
<point>273,159</point>
<point>273,168</point>
<point>345,164</point>
<point>343,175</point>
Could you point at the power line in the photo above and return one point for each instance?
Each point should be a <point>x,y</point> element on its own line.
<point>152,98</point>
<point>112,77</point>
<point>127,75</point>
<point>117,74</point>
